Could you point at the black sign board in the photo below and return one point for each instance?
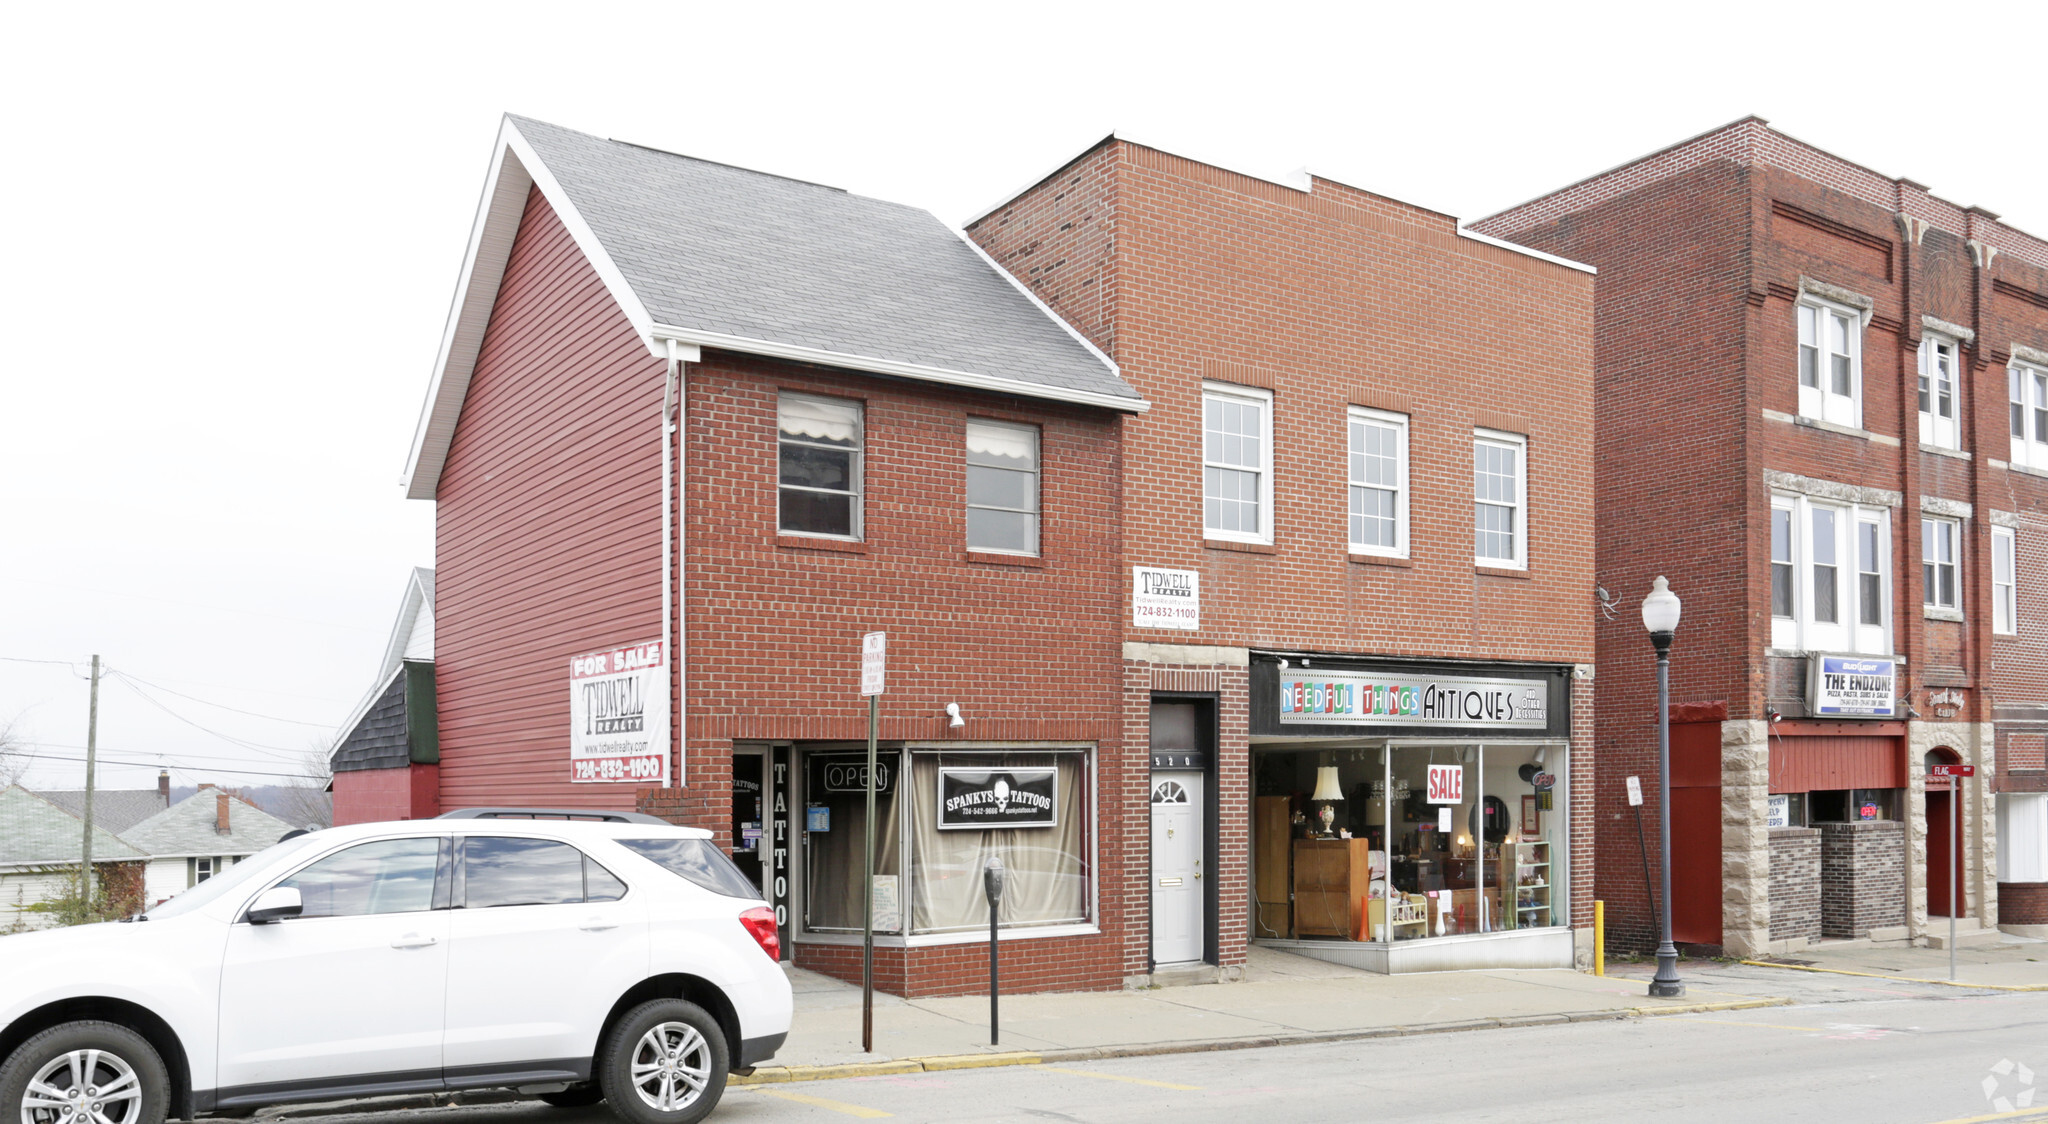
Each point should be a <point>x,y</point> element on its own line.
<point>978,799</point>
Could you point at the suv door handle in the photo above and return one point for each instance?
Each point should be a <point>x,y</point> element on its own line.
<point>597,925</point>
<point>412,940</point>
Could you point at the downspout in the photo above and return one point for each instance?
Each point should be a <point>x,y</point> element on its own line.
<point>670,397</point>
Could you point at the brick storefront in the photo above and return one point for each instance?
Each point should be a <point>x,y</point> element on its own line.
<point>1862,877</point>
<point>1795,883</point>
<point>1721,257</point>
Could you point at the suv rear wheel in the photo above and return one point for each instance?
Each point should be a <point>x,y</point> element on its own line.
<point>665,1063</point>
<point>85,1073</point>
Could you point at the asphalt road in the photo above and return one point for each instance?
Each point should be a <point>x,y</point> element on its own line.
<point>1917,1060</point>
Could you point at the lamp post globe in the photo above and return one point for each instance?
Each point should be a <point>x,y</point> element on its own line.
<point>1660,618</point>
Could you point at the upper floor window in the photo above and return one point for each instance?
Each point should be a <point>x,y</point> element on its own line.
<point>1830,362</point>
<point>1499,499</point>
<point>1237,463</point>
<point>1938,541</point>
<point>1379,482</point>
<point>1829,588</point>
<point>818,466</point>
<point>1002,487</point>
<point>2027,404</point>
<point>2005,609</point>
<point>1938,393</point>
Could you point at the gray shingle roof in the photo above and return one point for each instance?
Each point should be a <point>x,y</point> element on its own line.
<point>116,809</point>
<point>34,832</point>
<point>187,828</point>
<point>379,739</point>
<point>723,250</point>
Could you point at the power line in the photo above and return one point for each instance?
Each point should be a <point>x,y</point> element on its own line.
<point>181,768</point>
<point>255,747</point>
<point>223,706</point>
<point>165,758</point>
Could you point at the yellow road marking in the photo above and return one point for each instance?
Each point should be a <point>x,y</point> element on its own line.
<point>2016,1114</point>
<point>861,1111</point>
<point>1118,1077</point>
<point>1773,1026</point>
<point>1904,979</point>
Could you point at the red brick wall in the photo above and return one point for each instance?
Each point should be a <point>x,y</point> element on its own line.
<point>409,792</point>
<point>1329,298</point>
<point>2023,903</point>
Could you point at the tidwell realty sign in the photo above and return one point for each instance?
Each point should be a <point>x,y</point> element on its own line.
<point>1852,686</point>
<point>1341,698</point>
<point>618,715</point>
<point>974,799</point>
<point>1166,598</point>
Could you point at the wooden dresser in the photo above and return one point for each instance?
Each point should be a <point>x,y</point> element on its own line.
<point>1273,861</point>
<point>1331,877</point>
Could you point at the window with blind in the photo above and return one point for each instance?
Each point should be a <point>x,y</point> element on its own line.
<point>1002,487</point>
<point>818,468</point>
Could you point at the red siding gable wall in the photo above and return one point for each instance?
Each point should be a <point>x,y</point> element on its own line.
<point>548,541</point>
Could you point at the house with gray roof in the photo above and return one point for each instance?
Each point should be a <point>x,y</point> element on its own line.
<point>116,809</point>
<point>41,844</point>
<point>197,838</point>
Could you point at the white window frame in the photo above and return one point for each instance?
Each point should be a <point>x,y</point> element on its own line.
<point>2027,393</point>
<point>1953,530</point>
<point>1037,473</point>
<point>1360,415</point>
<point>1802,631</point>
<point>1943,431</point>
<point>1520,444</point>
<point>2005,557</point>
<point>858,474</point>
<point>1820,401</point>
<point>1232,394</point>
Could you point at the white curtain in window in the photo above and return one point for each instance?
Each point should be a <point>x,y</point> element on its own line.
<point>819,420</point>
<point>1047,881</point>
<point>2023,837</point>
<point>1004,441</point>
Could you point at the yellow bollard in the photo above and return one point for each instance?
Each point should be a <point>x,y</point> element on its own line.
<point>1599,938</point>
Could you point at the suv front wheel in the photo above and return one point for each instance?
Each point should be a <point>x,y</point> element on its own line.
<point>665,1063</point>
<point>85,1073</point>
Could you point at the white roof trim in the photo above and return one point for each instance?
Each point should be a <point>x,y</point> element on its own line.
<point>415,601</point>
<point>1055,317</point>
<point>969,379</point>
<point>1568,263</point>
<point>515,169</point>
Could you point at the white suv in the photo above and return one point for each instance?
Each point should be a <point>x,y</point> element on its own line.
<point>628,962</point>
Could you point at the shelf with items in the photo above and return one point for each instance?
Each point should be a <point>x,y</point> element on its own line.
<point>1392,919</point>
<point>1525,870</point>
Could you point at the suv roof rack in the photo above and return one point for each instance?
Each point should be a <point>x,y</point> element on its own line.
<point>595,814</point>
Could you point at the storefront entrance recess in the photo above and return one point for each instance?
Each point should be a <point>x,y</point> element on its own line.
<point>1176,867</point>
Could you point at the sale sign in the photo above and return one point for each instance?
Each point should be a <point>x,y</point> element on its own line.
<point>618,715</point>
<point>1446,784</point>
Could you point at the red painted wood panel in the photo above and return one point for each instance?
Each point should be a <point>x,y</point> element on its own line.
<point>548,541</point>
<point>1696,865</point>
<point>1810,764</point>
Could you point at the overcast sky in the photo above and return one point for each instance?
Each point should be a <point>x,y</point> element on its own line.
<point>233,235</point>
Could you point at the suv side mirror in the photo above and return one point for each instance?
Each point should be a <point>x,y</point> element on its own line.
<point>275,904</point>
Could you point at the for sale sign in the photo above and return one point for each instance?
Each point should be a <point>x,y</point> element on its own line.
<point>1446,784</point>
<point>618,715</point>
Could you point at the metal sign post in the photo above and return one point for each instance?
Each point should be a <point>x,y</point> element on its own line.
<point>1955,848</point>
<point>992,885</point>
<point>1635,801</point>
<point>874,648</point>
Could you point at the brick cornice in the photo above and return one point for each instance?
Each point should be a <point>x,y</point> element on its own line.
<point>748,727</point>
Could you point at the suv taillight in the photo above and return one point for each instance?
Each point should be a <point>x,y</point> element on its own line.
<point>760,924</point>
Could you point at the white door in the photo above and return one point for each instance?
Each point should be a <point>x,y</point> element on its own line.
<point>543,946</point>
<point>349,989</point>
<point>1176,867</point>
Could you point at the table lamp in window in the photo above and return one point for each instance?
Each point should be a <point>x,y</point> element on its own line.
<point>1328,793</point>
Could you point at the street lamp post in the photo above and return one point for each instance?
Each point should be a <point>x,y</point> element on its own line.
<point>1660,617</point>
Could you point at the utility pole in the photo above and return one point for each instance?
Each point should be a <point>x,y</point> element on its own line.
<point>92,734</point>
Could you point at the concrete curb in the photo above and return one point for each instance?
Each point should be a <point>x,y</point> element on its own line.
<point>1898,979</point>
<point>777,1075</point>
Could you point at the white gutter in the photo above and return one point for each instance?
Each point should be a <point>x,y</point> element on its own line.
<point>670,580</point>
<point>873,365</point>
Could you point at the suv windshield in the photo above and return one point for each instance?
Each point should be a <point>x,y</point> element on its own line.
<point>267,861</point>
<point>698,861</point>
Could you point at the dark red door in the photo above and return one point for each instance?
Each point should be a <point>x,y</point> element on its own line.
<point>1941,851</point>
<point>1696,832</point>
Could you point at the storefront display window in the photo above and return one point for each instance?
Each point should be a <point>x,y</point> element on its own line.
<point>1428,839</point>
<point>943,815</point>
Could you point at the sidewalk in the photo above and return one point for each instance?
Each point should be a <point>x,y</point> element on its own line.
<point>1283,998</point>
<point>2005,962</point>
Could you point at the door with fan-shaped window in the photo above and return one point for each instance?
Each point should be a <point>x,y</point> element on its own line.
<point>1176,868</point>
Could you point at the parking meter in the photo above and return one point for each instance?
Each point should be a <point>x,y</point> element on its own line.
<point>992,885</point>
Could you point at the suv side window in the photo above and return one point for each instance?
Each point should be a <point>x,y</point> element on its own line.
<point>503,870</point>
<point>387,876</point>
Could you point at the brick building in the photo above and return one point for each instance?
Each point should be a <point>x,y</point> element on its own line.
<point>1357,542</point>
<point>684,408</point>
<point>1822,411</point>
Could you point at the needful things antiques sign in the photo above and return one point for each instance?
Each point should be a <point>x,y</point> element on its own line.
<point>1338,698</point>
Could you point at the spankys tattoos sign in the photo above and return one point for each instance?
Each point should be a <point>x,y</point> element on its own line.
<point>979,799</point>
